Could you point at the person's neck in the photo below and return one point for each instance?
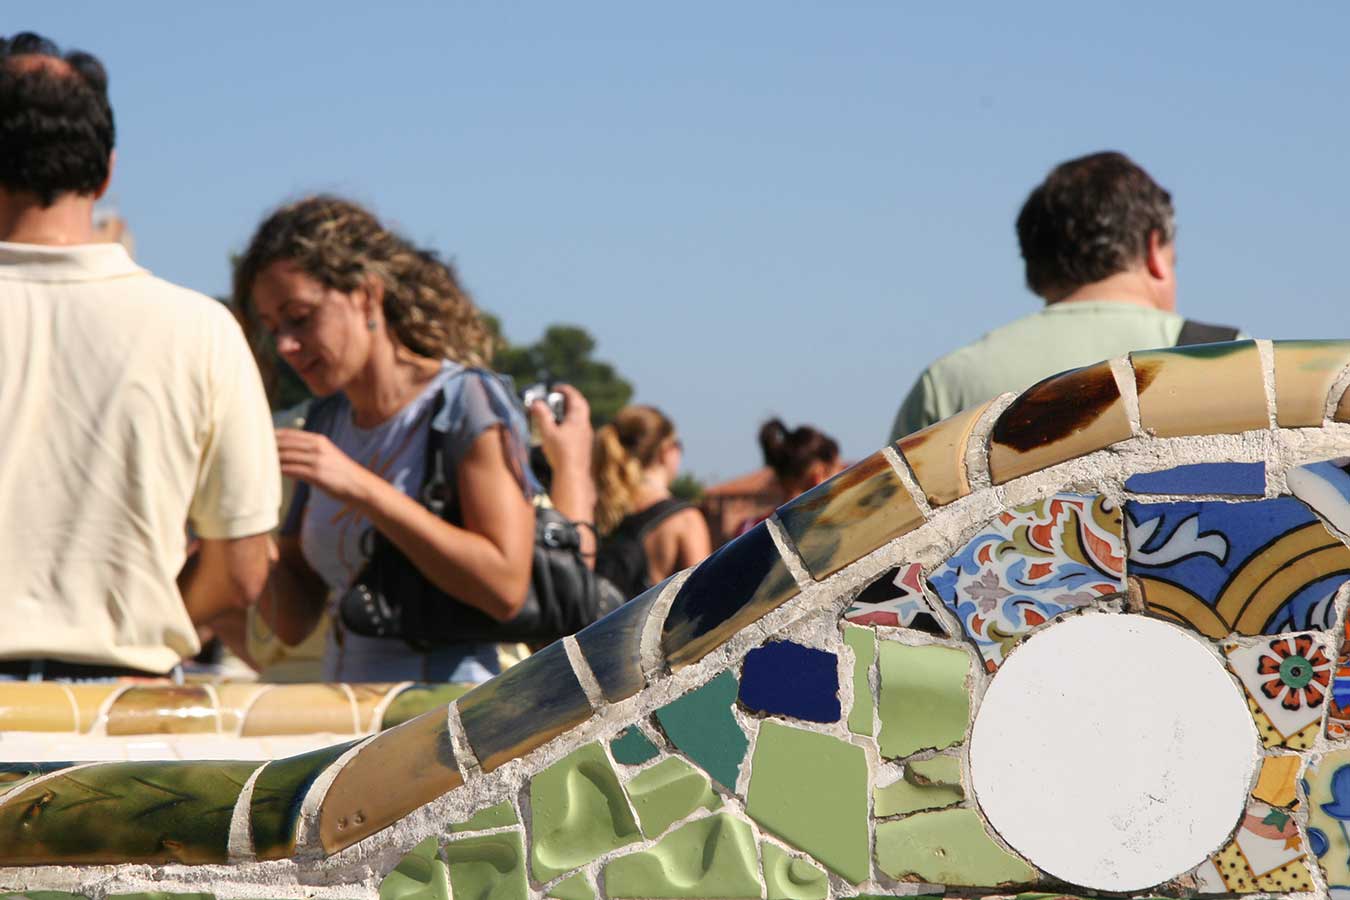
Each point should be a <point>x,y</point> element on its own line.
<point>653,488</point>
<point>390,382</point>
<point>1133,287</point>
<point>68,221</point>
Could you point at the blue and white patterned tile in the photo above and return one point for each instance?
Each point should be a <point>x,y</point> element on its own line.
<point>1325,486</point>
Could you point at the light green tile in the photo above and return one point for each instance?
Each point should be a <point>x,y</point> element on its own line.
<point>498,816</point>
<point>632,747</point>
<point>863,642</point>
<point>924,701</point>
<point>710,857</point>
<point>948,847</point>
<point>579,812</point>
<point>669,791</point>
<point>926,784</point>
<point>810,789</point>
<point>419,876</point>
<point>789,877</point>
<point>488,867</point>
<point>574,888</point>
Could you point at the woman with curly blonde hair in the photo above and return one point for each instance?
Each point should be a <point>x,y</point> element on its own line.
<point>385,329</point>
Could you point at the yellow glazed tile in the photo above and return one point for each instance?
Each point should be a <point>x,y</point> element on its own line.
<point>1342,413</point>
<point>1063,417</point>
<point>1304,374</point>
<point>163,709</point>
<point>849,516</point>
<point>937,456</point>
<point>1277,781</point>
<point>235,700</point>
<point>1205,389</point>
<point>36,706</point>
<point>402,769</point>
<point>300,709</point>
<point>90,700</point>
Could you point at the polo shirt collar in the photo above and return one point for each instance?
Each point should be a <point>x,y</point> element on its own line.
<point>78,262</point>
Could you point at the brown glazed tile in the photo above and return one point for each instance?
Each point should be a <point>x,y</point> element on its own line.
<point>400,770</point>
<point>937,456</point>
<point>1063,417</point>
<point>300,709</point>
<point>524,707</point>
<point>36,706</point>
<point>612,647</point>
<point>1305,372</point>
<point>89,701</point>
<point>1205,389</point>
<point>279,791</point>
<point>234,699</point>
<point>163,709</point>
<point>1342,413</point>
<point>135,812</point>
<point>849,516</point>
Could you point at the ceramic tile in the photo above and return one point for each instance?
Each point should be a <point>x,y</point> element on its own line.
<point>701,725</point>
<point>363,798</point>
<point>13,774</point>
<point>1031,564</point>
<point>710,857</point>
<point>1338,714</point>
<point>234,700</point>
<point>574,888</point>
<point>146,895</point>
<point>1266,855</point>
<point>1263,567</point>
<point>301,709</point>
<point>274,814</point>
<point>863,644</point>
<point>1278,782</point>
<point>926,784</point>
<point>1234,479</point>
<point>947,847</point>
<point>1287,681</point>
<point>810,789</point>
<point>1061,418</point>
<point>924,701</point>
<point>1325,486</point>
<point>163,709</point>
<point>667,792</point>
<point>36,706</point>
<point>849,516</point>
<point>937,456</point>
<point>89,701</point>
<point>124,812</point>
<point>524,707</point>
<point>632,748</point>
<point>788,877</point>
<point>896,598</point>
<point>418,876</point>
<point>1305,372</point>
<point>612,647</point>
<point>1327,784</point>
<point>367,699</point>
<point>489,867</point>
<point>500,815</point>
<point>1177,388</point>
<point>413,701</point>
<point>786,679</point>
<point>739,584</point>
<point>578,812</point>
<point>1342,413</point>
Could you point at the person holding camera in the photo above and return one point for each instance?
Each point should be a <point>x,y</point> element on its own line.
<point>384,333</point>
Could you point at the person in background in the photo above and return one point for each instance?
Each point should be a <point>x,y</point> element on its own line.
<point>1098,239</point>
<point>133,411</point>
<point>800,458</point>
<point>646,534</point>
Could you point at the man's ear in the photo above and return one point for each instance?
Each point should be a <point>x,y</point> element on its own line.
<point>112,164</point>
<point>1158,256</point>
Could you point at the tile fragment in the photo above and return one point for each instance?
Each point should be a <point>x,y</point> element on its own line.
<point>937,455</point>
<point>783,678</point>
<point>863,643</point>
<point>701,725</point>
<point>579,812</point>
<point>487,867</point>
<point>924,699</point>
<point>712,857</point>
<point>667,792</point>
<point>1177,387</point>
<point>1235,479</point>
<point>788,877</point>
<point>947,847</point>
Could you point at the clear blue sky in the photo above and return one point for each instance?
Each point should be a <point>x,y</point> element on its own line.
<point>755,207</point>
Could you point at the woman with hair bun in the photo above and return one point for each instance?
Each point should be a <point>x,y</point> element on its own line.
<point>800,458</point>
<point>646,534</point>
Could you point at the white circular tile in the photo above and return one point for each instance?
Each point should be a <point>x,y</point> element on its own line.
<point>1113,751</point>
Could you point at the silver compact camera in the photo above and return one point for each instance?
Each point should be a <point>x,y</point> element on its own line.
<point>543,390</point>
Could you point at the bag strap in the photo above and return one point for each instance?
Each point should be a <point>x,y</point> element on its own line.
<point>1193,332</point>
<point>657,513</point>
<point>321,411</point>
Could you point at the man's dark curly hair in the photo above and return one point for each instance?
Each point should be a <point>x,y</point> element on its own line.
<point>1088,220</point>
<point>56,125</point>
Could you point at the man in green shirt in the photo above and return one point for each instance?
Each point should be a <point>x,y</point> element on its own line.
<point>1097,240</point>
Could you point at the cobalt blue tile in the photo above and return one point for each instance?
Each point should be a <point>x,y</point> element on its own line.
<point>1231,478</point>
<point>702,726</point>
<point>611,646</point>
<point>1262,567</point>
<point>787,679</point>
<point>737,585</point>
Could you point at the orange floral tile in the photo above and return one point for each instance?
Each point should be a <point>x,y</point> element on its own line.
<point>937,456</point>
<point>1177,389</point>
<point>1304,374</point>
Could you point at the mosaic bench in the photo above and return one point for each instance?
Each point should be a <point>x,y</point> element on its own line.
<point>1089,638</point>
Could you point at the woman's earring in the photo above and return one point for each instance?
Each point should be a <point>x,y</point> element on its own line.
<point>371,324</point>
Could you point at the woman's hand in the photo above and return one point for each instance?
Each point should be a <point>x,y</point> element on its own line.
<point>315,460</point>
<point>567,444</point>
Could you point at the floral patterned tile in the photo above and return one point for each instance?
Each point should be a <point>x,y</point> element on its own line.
<point>1338,714</point>
<point>1265,856</point>
<point>896,598</point>
<point>1327,784</point>
<point>1262,567</point>
<point>1030,564</point>
<point>1287,681</point>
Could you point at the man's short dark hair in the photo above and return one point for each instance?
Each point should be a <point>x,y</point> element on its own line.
<point>56,125</point>
<point>1091,218</point>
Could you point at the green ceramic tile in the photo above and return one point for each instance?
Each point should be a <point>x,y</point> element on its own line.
<point>128,812</point>
<point>46,895</point>
<point>789,877</point>
<point>574,888</point>
<point>710,857</point>
<point>927,784</point>
<point>412,701</point>
<point>13,774</point>
<point>669,791</point>
<point>701,724</point>
<point>277,795</point>
<point>143,895</point>
<point>810,789</point>
<point>579,812</point>
<point>948,847</point>
<point>498,816</point>
<point>490,867</point>
<point>420,876</point>
<point>632,748</point>
<point>862,641</point>
<point>924,702</point>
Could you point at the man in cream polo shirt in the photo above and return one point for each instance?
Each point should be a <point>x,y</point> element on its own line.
<point>131,409</point>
